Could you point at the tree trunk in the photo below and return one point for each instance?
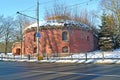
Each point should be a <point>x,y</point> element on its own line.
<point>6,45</point>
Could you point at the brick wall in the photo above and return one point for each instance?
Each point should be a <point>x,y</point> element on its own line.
<point>16,48</point>
<point>51,42</point>
<point>81,41</point>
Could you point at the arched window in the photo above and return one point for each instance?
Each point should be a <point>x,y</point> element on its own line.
<point>35,39</point>
<point>65,49</point>
<point>64,36</point>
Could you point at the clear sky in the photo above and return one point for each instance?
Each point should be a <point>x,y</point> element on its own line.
<point>10,7</point>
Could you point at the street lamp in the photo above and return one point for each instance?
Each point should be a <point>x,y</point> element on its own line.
<point>26,15</point>
<point>38,34</point>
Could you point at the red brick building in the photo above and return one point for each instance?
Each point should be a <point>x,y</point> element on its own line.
<point>59,39</point>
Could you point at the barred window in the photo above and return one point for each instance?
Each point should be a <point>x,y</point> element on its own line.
<point>35,39</point>
<point>64,36</point>
<point>65,49</point>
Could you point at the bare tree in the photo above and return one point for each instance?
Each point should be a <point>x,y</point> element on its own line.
<point>8,31</point>
<point>87,18</point>
<point>112,6</point>
<point>63,12</point>
<point>21,23</point>
<point>1,27</point>
<point>58,12</point>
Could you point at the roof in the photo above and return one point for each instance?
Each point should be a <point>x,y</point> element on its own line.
<point>64,23</point>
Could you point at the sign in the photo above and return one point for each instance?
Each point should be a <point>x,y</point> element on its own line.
<point>38,35</point>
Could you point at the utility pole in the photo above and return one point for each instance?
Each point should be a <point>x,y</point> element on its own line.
<point>21,40</point>
<point>37,30</point>
<point>38,34</point>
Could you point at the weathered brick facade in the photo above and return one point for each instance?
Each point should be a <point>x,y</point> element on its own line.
<point>59,41</point>
<point>16,48</point>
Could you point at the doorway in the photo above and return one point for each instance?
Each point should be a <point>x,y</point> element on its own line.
<point>18,51</point>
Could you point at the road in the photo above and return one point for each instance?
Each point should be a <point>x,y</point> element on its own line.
<point>58,71</point>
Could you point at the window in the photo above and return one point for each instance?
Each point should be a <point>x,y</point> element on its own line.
<point>64,36</point>
<point>35,39</point>
<point>88,38</point>
<point>65,49</point>
<point>35,50</point>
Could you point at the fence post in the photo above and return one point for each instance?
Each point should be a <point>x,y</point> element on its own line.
<point>8,57</point>
<point>28,57</point>
<point>71,56</point>
<point>86,56</point>
<point>47,55</point>
<point>14,57</point>
<point>103,56</point>
<point>1,57</point>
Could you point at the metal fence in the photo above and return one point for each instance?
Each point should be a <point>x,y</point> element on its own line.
<point>84,57</point>
<point>12,57</point>
<point>58,58</point>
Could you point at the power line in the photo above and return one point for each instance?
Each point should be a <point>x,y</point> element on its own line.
<point>27,11</point>
<point>80,3</point>
<point>28,8</point>
<point>46,2</point>
<point>69,6</point>
<point>35,6</point>
<point>74,5</point>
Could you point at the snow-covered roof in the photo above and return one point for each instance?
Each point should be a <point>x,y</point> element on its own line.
<point>65,23</point>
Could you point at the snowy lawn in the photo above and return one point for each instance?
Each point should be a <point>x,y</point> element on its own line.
<point>92,57</point>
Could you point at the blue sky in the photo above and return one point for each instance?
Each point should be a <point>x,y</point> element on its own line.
<point>10,7</point>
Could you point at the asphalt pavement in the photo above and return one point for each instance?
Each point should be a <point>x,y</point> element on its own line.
<point>58,71</point>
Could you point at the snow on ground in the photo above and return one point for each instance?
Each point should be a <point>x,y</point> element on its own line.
<point>98,54</point>
<point>92,57</point>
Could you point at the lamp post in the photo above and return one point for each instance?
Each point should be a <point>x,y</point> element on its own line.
<point>38,34</point>
<point>37,31</point>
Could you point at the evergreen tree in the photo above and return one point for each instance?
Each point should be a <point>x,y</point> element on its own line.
<point>105,36</point>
